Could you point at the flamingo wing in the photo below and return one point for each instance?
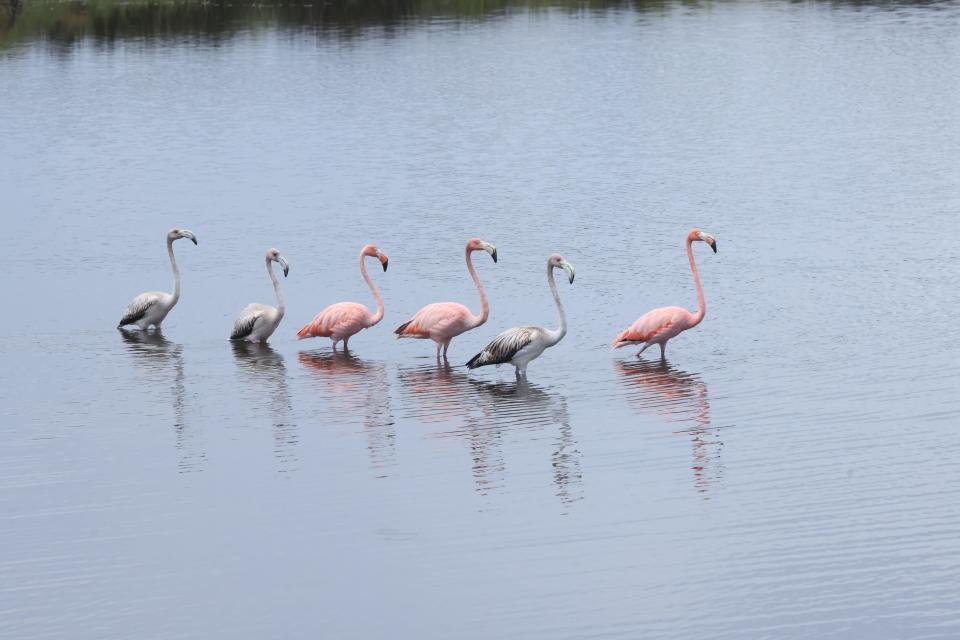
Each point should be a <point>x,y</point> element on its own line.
<point>247,320</point>
<point>335,319</point>
<point>505,346</point>
<point>651,325</point>
<point>139,307</point>
<point>439,317</point>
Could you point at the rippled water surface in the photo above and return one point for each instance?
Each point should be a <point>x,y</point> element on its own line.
<point>790,471</point>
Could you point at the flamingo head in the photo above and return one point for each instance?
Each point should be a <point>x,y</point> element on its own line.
<point>274,256</point>
<point>697,235</point>
<point>176,234</point>
<point>557,261</point>
<point>476,244</point>
<point>372,251</point>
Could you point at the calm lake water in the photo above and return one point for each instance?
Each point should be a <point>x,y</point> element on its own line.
<point>791,472</point>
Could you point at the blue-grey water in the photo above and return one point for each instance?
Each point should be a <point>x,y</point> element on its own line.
<point>790,472</point>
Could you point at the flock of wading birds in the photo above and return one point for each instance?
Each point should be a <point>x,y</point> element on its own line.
<point>440,321</point>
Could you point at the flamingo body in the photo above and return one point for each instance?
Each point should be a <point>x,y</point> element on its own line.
<point>439,321</point>
<point>256,323</point>
<point>342,320</point>
<point>660,325</point>
<point>656,327</point>
<point>339,321</point>
<point>443,321</point>
<point>148,308</point>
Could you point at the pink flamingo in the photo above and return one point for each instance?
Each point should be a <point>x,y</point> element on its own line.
<point>341,320</point>
<point>659,325</point>
<point>443,321</point>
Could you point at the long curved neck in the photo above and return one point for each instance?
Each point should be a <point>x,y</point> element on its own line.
<point>701,302</point>
<point>176,271</point>
<point>484,305</point>
<point>281,305</point>
<point>378,316</point>
<point>561,331</point>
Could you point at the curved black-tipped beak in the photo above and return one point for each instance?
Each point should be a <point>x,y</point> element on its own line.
<point>713,245</point>
<point>571,278</point>
<point>385,263</point>
<point>194,241</point>
<point>286,270</point>
<point>494,255</point>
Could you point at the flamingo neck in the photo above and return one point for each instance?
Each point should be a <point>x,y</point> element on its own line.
<point>484,305</point>
<point>281,305</point>
<point>176,272</point>
<point>701,302</point>
<point>378,316</point>
<point>556,336</point>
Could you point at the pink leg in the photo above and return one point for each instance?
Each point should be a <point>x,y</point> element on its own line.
<point>438,351</point>
<point>663,350</point>
<point>334,344</point>
<point>643,349</point>
<point>446,345</point>
<point>345,341</point>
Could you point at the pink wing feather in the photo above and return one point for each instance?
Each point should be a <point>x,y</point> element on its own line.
<point>440,319</point>
<point>661,323</point>
<point>342,318</point>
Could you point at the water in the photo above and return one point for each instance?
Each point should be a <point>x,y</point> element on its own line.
<point>789,473</point>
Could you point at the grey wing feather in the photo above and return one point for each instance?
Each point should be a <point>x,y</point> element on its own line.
<point>138,308</point>
<point>244,325</point>
<point>504,347</point>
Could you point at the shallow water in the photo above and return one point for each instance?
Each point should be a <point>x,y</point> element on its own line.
<point>788,473</point>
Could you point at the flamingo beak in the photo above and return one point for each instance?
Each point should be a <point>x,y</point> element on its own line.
<point>186,233</point>
<point>492,250</point>
<point>384,260</point>
<point>283,263</point>
<point>713,245</point>
<point>568,269</point>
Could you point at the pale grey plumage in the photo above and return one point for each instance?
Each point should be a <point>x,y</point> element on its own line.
<point>505,346</point>
<point>247,320</point>
<point>140,306</point>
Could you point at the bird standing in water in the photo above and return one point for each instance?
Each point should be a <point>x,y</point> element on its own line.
<point>520,345</point>
<point>443,321</point>
<point>151,307</point>
<point>341,320</point>
<point>257,322</point>
<point>660,325</point>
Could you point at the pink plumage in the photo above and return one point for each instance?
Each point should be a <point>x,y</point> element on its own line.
<point>660,325</point>
<point>342,320</point>
<point>443,321</point>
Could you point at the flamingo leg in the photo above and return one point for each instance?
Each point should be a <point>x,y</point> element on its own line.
<point>438,351</point>
<point>345,341</point>
<point>446,345</point>
<point>335,345</point>
<point>644,348</point>
<point>663,350</point>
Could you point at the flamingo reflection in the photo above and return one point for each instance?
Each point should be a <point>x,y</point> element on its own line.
<point>659,389</point>
<point>357,387</point>
<point>263,371</point>
<point>483,413</point>
<point>163,359</point>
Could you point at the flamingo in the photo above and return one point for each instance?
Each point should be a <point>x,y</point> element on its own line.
<point>257,322</point>
<point>443,321</point>
<point>151,307</point>
<point>520,345</point>
<point>659,325</point>
<point>341,320</point>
